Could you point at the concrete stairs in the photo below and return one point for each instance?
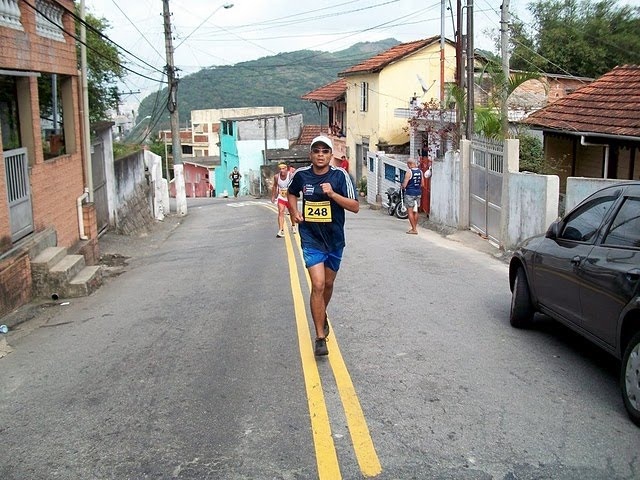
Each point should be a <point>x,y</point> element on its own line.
<point>56,274</point>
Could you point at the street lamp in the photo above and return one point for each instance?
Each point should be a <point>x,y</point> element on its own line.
<point>226,6</point>
<point>172,106</point>
<point>142,120</point>
<point>130,135</point>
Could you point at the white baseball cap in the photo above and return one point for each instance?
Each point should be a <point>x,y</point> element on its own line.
<point>321,139</point>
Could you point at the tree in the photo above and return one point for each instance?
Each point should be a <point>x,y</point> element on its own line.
<point>578,37</point>
<point>104,68</point>
<point>489,119</point>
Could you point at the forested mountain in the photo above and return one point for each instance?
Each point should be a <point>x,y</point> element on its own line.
<point>278,80</point>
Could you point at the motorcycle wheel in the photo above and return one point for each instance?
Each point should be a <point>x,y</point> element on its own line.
<point>402,212</point>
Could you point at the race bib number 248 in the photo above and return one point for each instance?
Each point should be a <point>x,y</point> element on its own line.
<point>317,211</point>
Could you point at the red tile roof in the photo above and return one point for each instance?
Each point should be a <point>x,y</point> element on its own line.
<point>327,93</point>
<point>309,132</point>
<point>378,62</point>
<point>609,106</point>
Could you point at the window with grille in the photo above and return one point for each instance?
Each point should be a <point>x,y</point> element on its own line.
<point>364,96</point>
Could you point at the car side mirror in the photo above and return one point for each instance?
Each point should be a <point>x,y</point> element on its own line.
<point>553,231</point>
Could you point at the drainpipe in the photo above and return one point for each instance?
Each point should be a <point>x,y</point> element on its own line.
<point>584,143</point>
<point>79,201</point>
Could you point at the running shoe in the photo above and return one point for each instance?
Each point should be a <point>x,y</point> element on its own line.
<point>321,347</point>
<point>280,234</point>
<point>294,229</point>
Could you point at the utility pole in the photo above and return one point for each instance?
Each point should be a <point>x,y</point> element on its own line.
<point>172,106</point>
<point>504,47</point>
<point>459,61</point>
<point>442,45</point>
<point>470,66</point>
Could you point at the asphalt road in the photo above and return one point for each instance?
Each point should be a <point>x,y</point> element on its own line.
<point>194,361</point>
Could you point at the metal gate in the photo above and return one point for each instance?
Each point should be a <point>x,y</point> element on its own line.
<point>99,177</point>
<point>485,187</point>
<point>18,193</point>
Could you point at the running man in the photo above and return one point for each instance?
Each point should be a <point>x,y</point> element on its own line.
<point>327,191</point>
<point>235,181</point>
<point>280,183</point>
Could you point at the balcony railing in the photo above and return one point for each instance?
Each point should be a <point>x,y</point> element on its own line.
<point>10,14</point>
<point>49,20</point>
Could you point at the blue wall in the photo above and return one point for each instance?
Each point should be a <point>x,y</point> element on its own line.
<point>228,160</point>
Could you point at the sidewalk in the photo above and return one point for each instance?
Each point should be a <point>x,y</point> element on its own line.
<point>467,237</point>
<point>115,253</point>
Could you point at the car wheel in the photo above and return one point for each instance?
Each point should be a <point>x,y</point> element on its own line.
<point>521,307</point>
<point>402,212</point>
<point>630,378</point>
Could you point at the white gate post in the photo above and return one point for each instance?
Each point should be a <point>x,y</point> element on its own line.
<point>510,164</point>
<point>465,159</point>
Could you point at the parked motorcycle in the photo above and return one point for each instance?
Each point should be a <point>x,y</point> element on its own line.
<point>395,203</point>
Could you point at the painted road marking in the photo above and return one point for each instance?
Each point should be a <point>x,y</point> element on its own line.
<point>326,455</point>
<point>358,429</point>
<point>245,204</point>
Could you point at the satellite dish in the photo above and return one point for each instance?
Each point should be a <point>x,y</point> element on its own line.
<point>424,86</point>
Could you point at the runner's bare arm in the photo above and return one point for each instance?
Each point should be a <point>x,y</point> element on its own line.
<point>294,213</point>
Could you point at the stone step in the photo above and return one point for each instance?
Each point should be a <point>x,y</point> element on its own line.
<point>48,258</point>
<point>40,267</point>
<point>85,282</point>
<point>67,268</point>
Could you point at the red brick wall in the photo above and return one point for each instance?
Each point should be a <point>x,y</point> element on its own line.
<point>58,182</point>
<point>15,283</point>
<point>25,50</point>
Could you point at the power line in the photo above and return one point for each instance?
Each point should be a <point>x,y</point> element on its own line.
<point>77,39</point>
<point>95,31</point>
<point>137,29</point>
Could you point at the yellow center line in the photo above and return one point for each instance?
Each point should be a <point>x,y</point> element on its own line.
<point>326,456</point>
<point>358,429</point>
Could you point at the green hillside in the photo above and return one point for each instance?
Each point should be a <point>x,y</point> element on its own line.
<point>278,80</point>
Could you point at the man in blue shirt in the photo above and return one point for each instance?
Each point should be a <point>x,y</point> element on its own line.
<point>412,186</point>
<point>327,191</point>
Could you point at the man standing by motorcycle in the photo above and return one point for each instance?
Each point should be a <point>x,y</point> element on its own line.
<point>327,191</point>
<point>412,185</point>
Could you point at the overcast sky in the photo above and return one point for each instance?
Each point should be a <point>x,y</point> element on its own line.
<point>206,33</point>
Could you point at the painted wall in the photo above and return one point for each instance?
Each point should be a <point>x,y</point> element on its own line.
<point>393,88</point>
<point>196,180</point>
<point>245,147</point>
<point>204,120</point>
<point>228,160</point>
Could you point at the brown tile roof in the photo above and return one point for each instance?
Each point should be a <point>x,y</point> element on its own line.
<point>327,93</point>
<point>608,106</point>
<point>378,62</point>
<point>309,132</point>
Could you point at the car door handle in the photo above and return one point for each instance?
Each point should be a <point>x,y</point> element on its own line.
<point>576,260</point>
<point>633,275</point>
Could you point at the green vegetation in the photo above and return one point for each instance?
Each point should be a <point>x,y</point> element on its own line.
<point>362,185</point>
<point>531,154</point>
<point>278,80</point>
<point>104,68</point>
<point>576,37</point>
